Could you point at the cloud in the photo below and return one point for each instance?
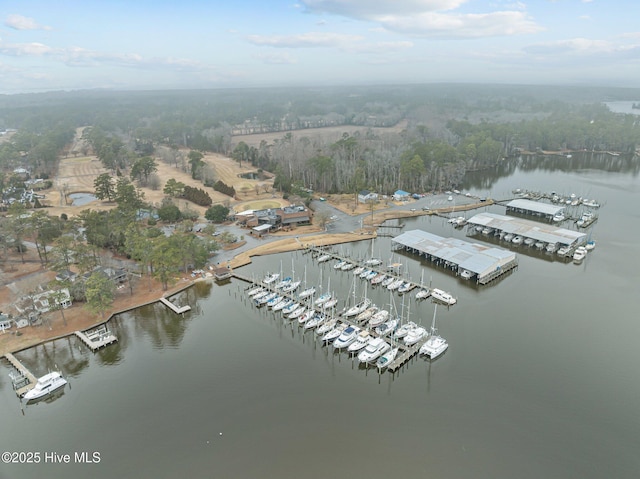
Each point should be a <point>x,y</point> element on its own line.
<point>583,49</point>
<point>18,22</point>
<point>305,40</point>
<point>277,58</point>
<point>25,49</point>
<point>584,17</point>
<point>431,18</point>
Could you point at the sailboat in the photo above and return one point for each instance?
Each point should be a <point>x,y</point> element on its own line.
<point>293,285</point>
<point>387,358</point>
<point>414,335</point>
<point>424,293</point>
<point>372,261</point>
<point>359,307</point>
<point>307,291</point>
<point>435,345</point>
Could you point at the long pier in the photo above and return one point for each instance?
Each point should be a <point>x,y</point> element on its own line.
<point>25,375</point>
<point>96,339</point>
<point>174,308</point>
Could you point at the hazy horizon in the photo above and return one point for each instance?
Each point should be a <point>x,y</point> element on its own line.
<point>194,44</point>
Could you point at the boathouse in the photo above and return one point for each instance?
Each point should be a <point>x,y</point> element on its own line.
<point>534,208</point>
<point>548,234</point>
<point>471,260</point>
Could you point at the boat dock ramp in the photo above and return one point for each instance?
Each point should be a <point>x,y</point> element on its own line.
<point>174,308</point>
<point>96,338</point>
<point>23,380</point>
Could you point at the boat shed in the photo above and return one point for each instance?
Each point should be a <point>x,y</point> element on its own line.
<point>534,208</point>
<point>548,234</point>
<point>484,263</point>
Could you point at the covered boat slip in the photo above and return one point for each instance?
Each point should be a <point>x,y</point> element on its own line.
<point>548,234</point>
<point>485,263</point>
<point>534,208</point>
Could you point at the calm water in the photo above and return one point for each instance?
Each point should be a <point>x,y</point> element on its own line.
<point>540,379</point>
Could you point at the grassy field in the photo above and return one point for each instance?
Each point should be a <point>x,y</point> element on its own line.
<point>261,205</point>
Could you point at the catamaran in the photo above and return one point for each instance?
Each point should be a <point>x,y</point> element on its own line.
<point>435,345</point>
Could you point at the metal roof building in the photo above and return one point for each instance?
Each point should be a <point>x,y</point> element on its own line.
<point>485,263</point>
<point>535,208</point>
<point>549,234</point>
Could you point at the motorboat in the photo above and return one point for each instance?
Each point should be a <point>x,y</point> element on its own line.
<point>361,341</point>
<point>529,241</point>
<point>415,335</point>
<point>387,327</point>
<point>367,313</point>
<point>508,237</point>
<point>443,296</point>
<point>403,330</point>
<point>358,308</point>
<point>435,345</point>
<point>270,278</point>
<point>563,251</point>
<point>423,293</point>
<point>551,247</point>
<point>379,318</point>
<point>466,274</point>
<point>45,386</point>
<point>517,239</point>
<point>558,217</point>
<point>373,350</point>
<point>591,244</point>
<point>387,358</point>
<point>579,254</point>
<point>347,337</point>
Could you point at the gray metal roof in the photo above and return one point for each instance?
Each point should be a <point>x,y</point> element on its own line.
<point>535,206</point>
<point>263,227</point>
<point>477,258</point>
<point>528,229</point>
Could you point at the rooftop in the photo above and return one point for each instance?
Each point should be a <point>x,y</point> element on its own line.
<point>535,206</point>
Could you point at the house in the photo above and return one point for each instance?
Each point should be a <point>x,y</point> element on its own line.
<point>42,302</point>
<point>276,218</point>
<point>401,195</point>
<point>365,196</point>
<point>66,275</point>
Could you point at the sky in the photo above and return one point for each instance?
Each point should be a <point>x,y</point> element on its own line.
<point>169,44</point>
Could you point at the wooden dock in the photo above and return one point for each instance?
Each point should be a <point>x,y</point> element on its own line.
<point>174,308</point>
<point>24,372</point>
<point>96,339</point>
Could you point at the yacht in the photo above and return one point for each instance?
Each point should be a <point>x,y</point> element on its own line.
<point>290,308</point>
<point>365,273</point>
<point>330,303</point>
<point>275,300</point>
<point>348,266</point>
<point>283,283</point>
<point>373,262</point>
<point>517,239</point>
<point>370,275</point>
<point>45,386</point>
<point>309,314</point>
<point>347,337</point>
<point>508,237</point>
<point>406,286</point>
<point>374,349</point>
<point>423,293</point>
<point>559,217</point>
<point>255,290</point>
<point>388,281</point>
<point>261,294</point>
<point>361,341</point>
<point>379,318</point>
<point>591,244</point>
<point>579,254</point>
<point>265,299</point>
<point>442,296</point>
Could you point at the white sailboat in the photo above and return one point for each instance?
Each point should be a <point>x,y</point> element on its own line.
<point>307,291</point>
<point>435,345</point>
<point>387,358</point>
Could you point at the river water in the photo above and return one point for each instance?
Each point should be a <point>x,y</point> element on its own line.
<point>540,380</point>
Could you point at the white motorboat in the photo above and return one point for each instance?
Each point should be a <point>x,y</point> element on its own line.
<point>423,293</point>
<point>579,254</point>
<point>529,241</point>
<point>403,330</point>
<point>443,296</point>
<point>379,318</point>
<point>517,239</point>
<point>563,251</point>
<point>387,327</point>
<point>387,358</point>
<point>435,345</point>
<point>361,341</point>
<point>347,336</point>
<point>270,278</point>
<point>466,274</point>
<point>416,334</point>
<point>591,244</point>
<point>559,217</point>
<point>373,350</point>
<point>508,237</point>
<point>45,386</point>
<point>551,247</point>
<point>358,308</point>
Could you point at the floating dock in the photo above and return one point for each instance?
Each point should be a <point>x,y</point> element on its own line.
<point>174,308</point>
<point>97,338</point>
<point>25,380</point>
